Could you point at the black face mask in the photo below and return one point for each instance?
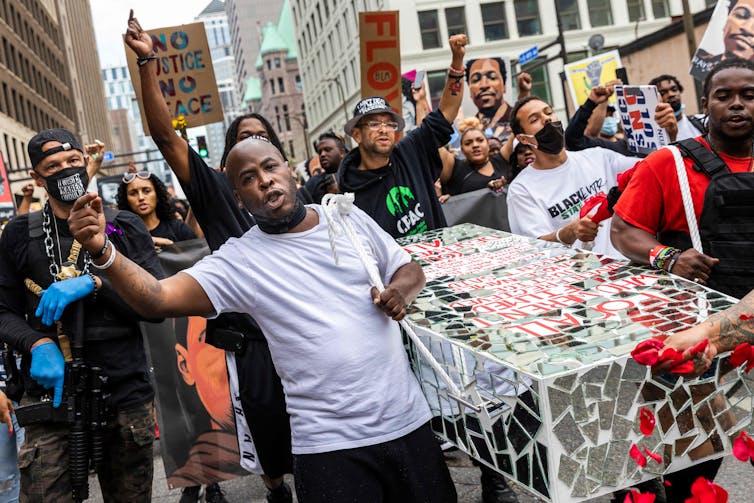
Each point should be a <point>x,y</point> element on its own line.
<point>288,222</point>
<point>550,139</point>
<point>68,184</point>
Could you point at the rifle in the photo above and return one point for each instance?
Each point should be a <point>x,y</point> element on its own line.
<point>83,408</point>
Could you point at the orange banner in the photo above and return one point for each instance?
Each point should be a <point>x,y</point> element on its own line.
<point>379,35</point>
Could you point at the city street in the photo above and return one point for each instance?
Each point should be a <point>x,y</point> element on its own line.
<point>735,477</point>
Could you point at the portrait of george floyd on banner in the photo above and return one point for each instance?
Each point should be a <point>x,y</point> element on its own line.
<point>195,415</point>
<point>730,34</point>
<point>491,88</point>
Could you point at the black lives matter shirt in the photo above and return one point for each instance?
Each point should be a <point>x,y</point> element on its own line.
<point>401,196</point>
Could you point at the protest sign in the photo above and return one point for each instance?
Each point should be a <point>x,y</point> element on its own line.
<point>7,209</point>
<point>199,444</point>
<point>491,85</point>
<point>728,35</point>
<point>107,188</point>
<point>184,73</point>
<point>482,207</point>
<point>379,38</point>
<point>587,73</point>
<point>636,105</point>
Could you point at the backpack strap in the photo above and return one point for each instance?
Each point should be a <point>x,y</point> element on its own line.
<point>35,225</point>
<point>705,160</point>
<point>698,122</point>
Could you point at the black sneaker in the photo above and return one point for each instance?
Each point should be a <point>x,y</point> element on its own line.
<point>494,487</point>
<point>190,494</point>
<point>214,494</point>
<point>281,494</point>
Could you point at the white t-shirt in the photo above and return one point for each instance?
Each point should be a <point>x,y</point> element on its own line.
<point>341,360</point>
<point>686,129</point>
<point>541,201</point>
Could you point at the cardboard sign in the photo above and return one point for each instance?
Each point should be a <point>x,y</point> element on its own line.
<point>587,73</point>
<point>379,35</point>
<point>7,208</point>
<point>636,105</point>
<point>184,73</point>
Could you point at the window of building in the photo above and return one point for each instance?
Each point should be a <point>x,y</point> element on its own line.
<point>600,13</point>
<point>114,73</point>
<point>635,10</point>
<point>660,8</point>
<point>569,14</point>
<point>287,118</point>
<point>494,22</point>
<point>527,17</point>
<point>455,20</point>
<point>291,150</point>
<point>299,87</point>
<point>277,62</point>
<point>269,64</point>
<point>272,86</point>
<point>430,29</point>
<point>281,85</point>
<point>277,118</point>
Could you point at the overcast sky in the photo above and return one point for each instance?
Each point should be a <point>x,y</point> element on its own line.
<point>111,18</point>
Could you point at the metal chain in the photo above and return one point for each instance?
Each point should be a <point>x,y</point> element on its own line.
<point>49,244</point>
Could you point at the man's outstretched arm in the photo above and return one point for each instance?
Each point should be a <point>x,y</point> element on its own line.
<point>173,148</point>
<point>452,95</point>
<point>179,295</point>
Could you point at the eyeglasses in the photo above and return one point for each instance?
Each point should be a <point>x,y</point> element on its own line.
<point>377,125</point>
<point>130,177</point>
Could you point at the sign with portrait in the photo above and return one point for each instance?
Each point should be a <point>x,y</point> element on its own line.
<point>491,88</point>
<point>107,188</point>
<point>184,73</point>
<point>636,105</point>
<point>729,34</point>
<point>380,44</point>
<point>584,74</point>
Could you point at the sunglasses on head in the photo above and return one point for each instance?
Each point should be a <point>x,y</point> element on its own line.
<point>130,177</point>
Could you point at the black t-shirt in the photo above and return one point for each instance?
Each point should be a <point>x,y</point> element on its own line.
<point>123,359</point>
<point>467,179</point>
<point>214,205</point>
<point>401,196</point>
<point>174,230</point>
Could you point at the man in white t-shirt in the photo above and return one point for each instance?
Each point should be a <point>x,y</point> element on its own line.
<point>670,89</point>
<point>545,198</point>
<point>359,422</point>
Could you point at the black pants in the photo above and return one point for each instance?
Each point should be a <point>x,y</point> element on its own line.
<point>406,470</point>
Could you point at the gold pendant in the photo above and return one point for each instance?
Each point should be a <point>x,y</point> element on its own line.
<point>68,271</point>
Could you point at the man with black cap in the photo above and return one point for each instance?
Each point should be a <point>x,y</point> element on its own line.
<point>394,182</point>
<point>44,270</point>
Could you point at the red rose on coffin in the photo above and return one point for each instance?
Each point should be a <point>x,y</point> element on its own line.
<point>637,456</point>
<point>743,447</point>
<point>646,421</point>
<point>744,352</point>
<point>637,497</point>
<point>704,491</point>
<point>647,352</point>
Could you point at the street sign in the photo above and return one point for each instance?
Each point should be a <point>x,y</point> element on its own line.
<point>528,55</point>
<point>109,156</point>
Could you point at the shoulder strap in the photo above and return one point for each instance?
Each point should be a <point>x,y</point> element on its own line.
<point>705,160</point>
<point>35,225</point>
<point>698,123</point>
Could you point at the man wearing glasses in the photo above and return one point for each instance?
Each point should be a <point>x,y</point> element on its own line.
<point>394,182</point>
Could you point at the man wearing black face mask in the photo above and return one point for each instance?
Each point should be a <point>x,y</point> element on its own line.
<point>43,273</point>
<point>545,199</point>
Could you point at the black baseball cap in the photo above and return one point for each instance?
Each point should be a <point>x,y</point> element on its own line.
<point>66,139</point>
<point>370,106</point>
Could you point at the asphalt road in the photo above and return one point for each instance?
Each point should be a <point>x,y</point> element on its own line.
<point>735,476</point>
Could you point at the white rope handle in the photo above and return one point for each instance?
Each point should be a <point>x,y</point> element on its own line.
<point>342,203</point>
<point>688,203</point>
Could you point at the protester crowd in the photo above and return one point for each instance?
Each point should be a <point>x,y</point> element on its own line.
<point>324,382</point>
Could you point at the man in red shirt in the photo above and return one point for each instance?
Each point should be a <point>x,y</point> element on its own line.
<point>650,226</point>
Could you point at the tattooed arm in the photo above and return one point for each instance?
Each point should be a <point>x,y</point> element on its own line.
<point>452,95</point>
<point>179,295</point>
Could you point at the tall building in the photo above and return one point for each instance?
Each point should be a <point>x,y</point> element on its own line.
<point>245,20</point>
<point>33,74</point>
<point>83,65</point>
<point>280,97</point>
<point>218,36</point>
<point>120,94</point>
<point>328,40</point>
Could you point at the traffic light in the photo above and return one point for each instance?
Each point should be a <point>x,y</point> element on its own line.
<point>201,144</point>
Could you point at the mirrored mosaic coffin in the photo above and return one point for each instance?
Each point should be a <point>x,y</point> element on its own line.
<point>538,337</point>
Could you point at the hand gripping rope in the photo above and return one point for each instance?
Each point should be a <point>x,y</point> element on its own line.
<point>342,204</point>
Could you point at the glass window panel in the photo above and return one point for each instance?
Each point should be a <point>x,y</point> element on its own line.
<point>527,17</point>
<point>569,14</point>
<point>430,29</point>
<point>494,22</point>
<point>660,8</point>
<point>635,10</point>
<point>600,13</point>
<point>455,18</point>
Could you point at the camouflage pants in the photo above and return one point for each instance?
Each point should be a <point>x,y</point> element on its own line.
<point>125,474</point>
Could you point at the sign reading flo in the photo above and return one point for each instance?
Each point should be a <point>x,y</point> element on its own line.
<point>185,74</point>
<point>379,35</point>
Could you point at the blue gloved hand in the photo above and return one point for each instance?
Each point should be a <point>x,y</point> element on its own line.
<point>48,369</point>
<point>57,297</point>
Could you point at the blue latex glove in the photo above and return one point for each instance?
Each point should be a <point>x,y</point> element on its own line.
<point>60,294</point>
<point>48,369</point>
